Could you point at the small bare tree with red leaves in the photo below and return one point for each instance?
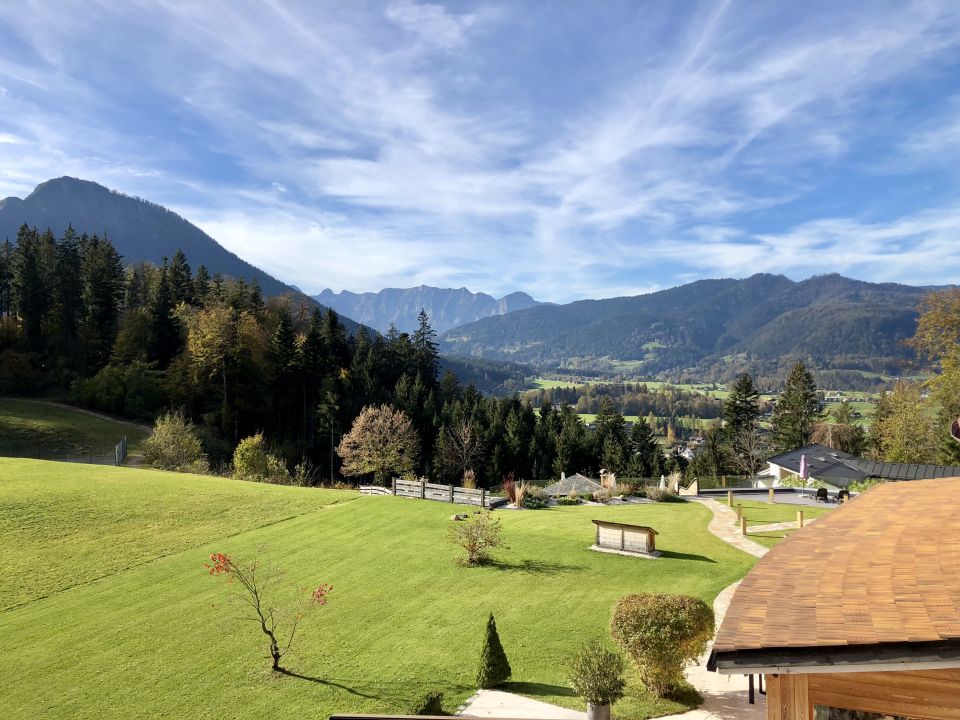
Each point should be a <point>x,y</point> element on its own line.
<point>256,588</point>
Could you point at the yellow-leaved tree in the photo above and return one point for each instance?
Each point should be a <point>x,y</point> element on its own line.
<point>381,442</point>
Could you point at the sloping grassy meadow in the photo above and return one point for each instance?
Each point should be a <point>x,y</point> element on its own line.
<point>31,428</point>
<point>109,612</point>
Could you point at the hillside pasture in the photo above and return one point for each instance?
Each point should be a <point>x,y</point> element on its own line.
<point>38,429</point>
<point>112,614</point>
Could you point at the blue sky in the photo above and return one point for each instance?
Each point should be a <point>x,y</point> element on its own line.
<point>569,149</point>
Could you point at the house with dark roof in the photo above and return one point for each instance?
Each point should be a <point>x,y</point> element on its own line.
<point>837,469</point>
<point>856,616</point>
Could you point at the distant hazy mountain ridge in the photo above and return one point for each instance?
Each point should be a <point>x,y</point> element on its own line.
<point>837,321</point>
<point>447,307</point>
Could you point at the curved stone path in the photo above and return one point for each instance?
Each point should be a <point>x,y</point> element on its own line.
<point>724,696</point>
<point>724,526</point>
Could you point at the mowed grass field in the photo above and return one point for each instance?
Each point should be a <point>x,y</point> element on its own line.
<point>107,610</point>
<point>763,513</point>
<point>32,428</point>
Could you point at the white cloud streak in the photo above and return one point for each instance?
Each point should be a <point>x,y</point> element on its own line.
<point>389,144</point>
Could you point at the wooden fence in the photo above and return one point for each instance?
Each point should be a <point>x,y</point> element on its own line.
<point>440,493</point>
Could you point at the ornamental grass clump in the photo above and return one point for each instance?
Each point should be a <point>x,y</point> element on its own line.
<point>662,633</point>
<point>494,667</point>
<point>596,674</point>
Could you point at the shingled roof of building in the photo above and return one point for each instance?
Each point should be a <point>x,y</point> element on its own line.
<point>877,580</point>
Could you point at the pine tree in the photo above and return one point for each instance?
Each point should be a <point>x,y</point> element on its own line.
<point>103,291</point>
<point>256,297</point>
<point>426,354</point>
<point>6,278</point>
<point>69,294</point>
<point>494,667</point>
<point>742,408</point>
<point>32,285</point>
<point>201,285</point>
<point>646,456</point>
<point>165,329</point>
<point>282,355</point>
<point>181,279</point>
<point>797,408</point>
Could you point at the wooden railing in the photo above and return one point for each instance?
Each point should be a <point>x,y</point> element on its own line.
<point>433,491</point>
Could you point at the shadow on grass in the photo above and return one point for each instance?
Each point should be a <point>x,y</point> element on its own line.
<point>685,556</point>
<point>537,689</point>
<point>533,567</point>
<point>328,683</point>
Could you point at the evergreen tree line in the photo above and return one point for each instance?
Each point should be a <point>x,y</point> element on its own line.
<point>142,339</point>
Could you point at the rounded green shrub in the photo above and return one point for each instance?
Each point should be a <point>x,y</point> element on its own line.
<point>662,633</point>
<point>252,461</point>
<point>596,674</point>
<point>174,446</point>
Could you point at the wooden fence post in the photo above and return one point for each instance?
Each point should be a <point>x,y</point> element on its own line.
<point>743,526</point>
<point>483,497</point>
<point>423,489</point>
<point>730,498</point>
<point>393,486</point>
<point>451,493</point>
<point>723,481</point>
<point>771,500</point>
<point>739,512</point>
<point>799,518</point>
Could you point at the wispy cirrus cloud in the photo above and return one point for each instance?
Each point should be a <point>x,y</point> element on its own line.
<point>571,151</point>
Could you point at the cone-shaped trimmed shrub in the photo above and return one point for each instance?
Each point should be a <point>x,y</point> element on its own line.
<point>494,667</point>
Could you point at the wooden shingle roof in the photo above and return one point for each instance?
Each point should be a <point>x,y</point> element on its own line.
<point>878,574</point>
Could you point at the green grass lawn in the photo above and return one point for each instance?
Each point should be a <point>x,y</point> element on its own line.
<point>763,513</point>
<point>109,611</point>
<point>548,384</point>
<point>31,428</point>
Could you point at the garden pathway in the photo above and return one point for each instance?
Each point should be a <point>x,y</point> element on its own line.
<point>499,704</point>
<point>724,696</point>
<point>775,527</point>
<point>724,525</point>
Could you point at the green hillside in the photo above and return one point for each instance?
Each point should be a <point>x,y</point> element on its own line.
<point>33,428</point>
<point>108,610</point>
<point>835,321</point>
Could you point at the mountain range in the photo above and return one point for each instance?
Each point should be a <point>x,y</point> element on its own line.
<point>399,307</point>
<point>140,230</point>
<point>834,321</point>
<point>709,327</point>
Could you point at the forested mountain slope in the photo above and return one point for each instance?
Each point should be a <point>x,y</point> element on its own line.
<point>138,229</point>
<point>836,321</point>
